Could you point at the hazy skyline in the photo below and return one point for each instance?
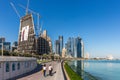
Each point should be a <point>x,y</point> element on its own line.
<point>97,22</point>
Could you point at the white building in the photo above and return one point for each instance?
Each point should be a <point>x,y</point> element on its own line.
<point>87,55</point>
<point>63,52</point>
<point>109,57</point>
<point>13,66</point>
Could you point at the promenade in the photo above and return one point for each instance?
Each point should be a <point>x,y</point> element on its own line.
<point>38,74</point>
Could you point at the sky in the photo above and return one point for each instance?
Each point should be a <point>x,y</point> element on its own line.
<point>97,22</point>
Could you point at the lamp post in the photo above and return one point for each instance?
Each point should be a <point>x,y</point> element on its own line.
<point>2,48</point>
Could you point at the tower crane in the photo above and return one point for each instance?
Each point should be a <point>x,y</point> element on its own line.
<point>40,33</point>
<point>38,28</point>
<point>35,13</point>
<point>27,7</point>
<point>13,6</point>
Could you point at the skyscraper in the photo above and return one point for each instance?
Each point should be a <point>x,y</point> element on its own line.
<point>61,44</point>
<point>78,48</point>
<point>75,47</point>
<point>26,40</point>
<point>70,46</point>
<point>44,44</point>
<point>57,47</point>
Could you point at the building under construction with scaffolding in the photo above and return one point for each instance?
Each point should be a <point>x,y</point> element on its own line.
<point>44,44</point>
<point>28,40</point>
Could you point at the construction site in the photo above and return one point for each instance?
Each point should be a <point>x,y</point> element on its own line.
<point>31,37</point>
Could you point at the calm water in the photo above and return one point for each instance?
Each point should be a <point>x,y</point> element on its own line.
<point>97,69</point>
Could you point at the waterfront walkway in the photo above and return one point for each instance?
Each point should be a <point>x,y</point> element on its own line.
<point>38,74</point>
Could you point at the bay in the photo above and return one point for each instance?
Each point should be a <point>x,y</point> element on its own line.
<point>97,69</point>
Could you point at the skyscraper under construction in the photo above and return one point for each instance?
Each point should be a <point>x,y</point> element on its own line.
<point>28,42</point>
<point>26,39</point>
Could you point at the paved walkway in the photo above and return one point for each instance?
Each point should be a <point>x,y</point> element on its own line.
<point>57,73</point>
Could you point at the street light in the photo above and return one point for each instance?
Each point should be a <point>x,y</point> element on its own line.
<point>2,47</point>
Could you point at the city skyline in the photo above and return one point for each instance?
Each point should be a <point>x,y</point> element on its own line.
<point>96,22</point>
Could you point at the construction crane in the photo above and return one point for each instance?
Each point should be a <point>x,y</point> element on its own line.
<point>27,7</point>
<point>40,33</point>
<point>13,6</point>
<point>33,12</point>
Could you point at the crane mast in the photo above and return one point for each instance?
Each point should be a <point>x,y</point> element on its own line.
<point>13,6</point>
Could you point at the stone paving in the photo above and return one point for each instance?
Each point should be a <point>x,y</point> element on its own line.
<point>38,75</point>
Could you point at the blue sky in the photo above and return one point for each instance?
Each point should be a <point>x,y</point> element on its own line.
<point>97,22</point>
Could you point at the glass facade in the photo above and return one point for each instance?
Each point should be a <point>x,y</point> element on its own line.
<point>61,44</point>
<point>74,47</point>
<point>57,47</point>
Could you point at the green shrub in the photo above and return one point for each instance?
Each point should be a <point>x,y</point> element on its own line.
<point>73,75</point>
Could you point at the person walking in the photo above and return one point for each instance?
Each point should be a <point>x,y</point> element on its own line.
<point>44,70</point>
<point>50,69</point>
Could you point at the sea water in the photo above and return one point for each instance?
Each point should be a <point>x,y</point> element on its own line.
<point>97,69</point>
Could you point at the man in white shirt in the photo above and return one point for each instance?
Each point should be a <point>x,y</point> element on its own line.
<point>44,70</point>
<point>50,70</point>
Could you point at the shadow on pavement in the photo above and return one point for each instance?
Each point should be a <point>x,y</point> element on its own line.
<point>37,69</point>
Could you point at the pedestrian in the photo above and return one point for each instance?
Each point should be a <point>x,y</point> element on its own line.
<point>44,70</point>
<point>50,69</point>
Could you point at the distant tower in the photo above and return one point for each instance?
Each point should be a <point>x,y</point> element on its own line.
<point>26,38</point>
<point>78,48</point>
<point>61,44</point>
<point>75,47</point>
<point>57,47</point>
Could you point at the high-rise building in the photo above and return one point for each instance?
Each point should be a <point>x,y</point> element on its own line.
<point>57,47</point>
<point>6,45</point>
<point>61,44</point>
<point>75,47</point>
<point>69,46</point>
<point>78,48</point>
<point>44,44</point>
<point>26,40</point>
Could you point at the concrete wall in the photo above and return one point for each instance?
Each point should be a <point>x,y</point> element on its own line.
<point>26,65</point>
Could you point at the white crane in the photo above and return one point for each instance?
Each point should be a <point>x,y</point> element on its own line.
<point>38,29</point>
<point>40,33</point>
<point>13,6</point>
<point>35,13</point>
<point>27,7</point>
